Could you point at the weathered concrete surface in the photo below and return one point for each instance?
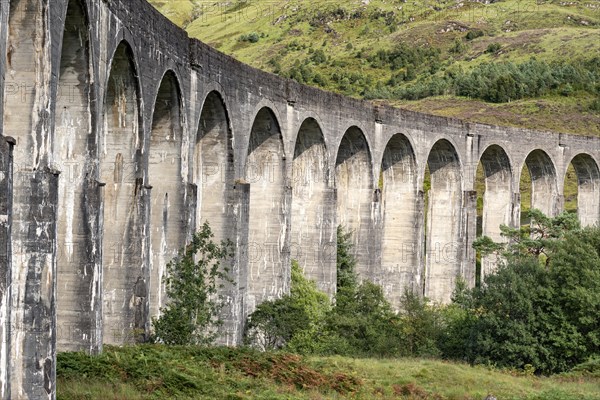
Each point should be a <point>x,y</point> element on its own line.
<point>443,242</point>
<point>166,175</point>
<point>129,135</point>
<point>6,167</point>
<point>77,256</point>
<point>401,257</point>
<point>313,242</point>
<point>268,262</point>
<point>357,198</point>
<point>497,199</point>
<point>588,184</point>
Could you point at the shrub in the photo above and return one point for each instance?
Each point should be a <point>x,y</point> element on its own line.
<point>274,324</point>
<point>493,47</point>
<point>474,34</point>
<point>251,37</point>
<point>193,280</point>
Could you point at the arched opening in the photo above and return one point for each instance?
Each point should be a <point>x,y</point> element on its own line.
<point>214,177</point>
<point>168,219</point>
<point>402,233</point>
<point>586,189</point>
<point>354,183</point>
<point>313,231</point>
<point>494,182</point>
<point>570,190</point>
<point>25,35</point>
<point>124,287</point>
<point>538,185</point>
<point>213,161</point>
<point>73,133</point>
<point>266,277</point>
<point>444,204</point>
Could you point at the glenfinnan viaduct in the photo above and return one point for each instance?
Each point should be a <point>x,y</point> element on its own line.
<point>121,135</point>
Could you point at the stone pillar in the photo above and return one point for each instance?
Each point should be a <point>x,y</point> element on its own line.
<point>237,310</point>
<point>516,210</point>
<point>6,148</point>
<point>33,305</point>
<point>420,268</point>
<point>93,200</point>
<point>468,235</point>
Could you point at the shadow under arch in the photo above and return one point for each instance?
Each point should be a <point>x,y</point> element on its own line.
<point>125,306</point>
<point>402,233</point>
<point>355,199</point>
<point>588,189</point>
<point>313,211</point>
<point>443,221</point>
<point>213,175</point>
<point>497,199</point>
<point>267,275</point>
<point>544,184</point>
<point>78,298</point>
<point>167,196</point>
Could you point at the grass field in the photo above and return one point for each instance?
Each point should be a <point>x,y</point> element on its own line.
<point>158,372</point>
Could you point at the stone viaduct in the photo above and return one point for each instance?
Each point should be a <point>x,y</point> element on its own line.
<point>121,135</point>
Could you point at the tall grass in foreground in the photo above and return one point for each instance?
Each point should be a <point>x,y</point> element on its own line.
<point>156,371</point>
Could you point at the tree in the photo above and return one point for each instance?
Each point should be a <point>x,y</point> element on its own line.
<point>362,322</point>
<point>535,239</point>
<point>194,278</point>
<point>292,320</point>
<point>539,310</point>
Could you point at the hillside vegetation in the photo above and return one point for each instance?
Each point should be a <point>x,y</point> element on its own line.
<point>525,63</point>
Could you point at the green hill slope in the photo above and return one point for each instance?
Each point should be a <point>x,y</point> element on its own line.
<point>525,63</point>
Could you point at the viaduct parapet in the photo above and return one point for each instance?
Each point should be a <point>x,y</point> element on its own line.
<point>121,136</point>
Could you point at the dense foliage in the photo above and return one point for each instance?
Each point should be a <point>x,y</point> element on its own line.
<point>498,82</point>
<point>193,281</point>
<point>537,312</point>
<point>540,309</point>
<point>360,322</point>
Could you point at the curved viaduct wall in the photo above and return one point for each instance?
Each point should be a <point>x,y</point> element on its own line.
<point>129,135</point>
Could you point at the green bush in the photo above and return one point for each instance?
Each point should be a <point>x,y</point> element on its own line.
<point>493,47</point>
<point>251,37</point>
<point>540,308</point>
<point>193,280</point>
<point>474,34</point>
<point>291,320</point>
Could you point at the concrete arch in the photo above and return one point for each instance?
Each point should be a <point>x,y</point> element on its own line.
<point>268,237</point>
<point>444,214</point>
<point>588,188</point>
<point>213,164</point>
<point>123,36</point>
<point>167,203</point>
<point>25,32</point>
<point>73,141</point>
<point>497,198</point>
<point>124,281</point>
<point>402,231</point>
<point>277,118</point>
<point>313,213</point>
<point>369,145</point>
<point>544,182</point>
<point>355,198</point>
<point>214,179</point>
<point>170,74</point>
<point>425,152</point>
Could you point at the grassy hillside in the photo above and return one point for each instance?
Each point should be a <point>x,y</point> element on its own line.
<point>157,372</point>
<point>399,51</point>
